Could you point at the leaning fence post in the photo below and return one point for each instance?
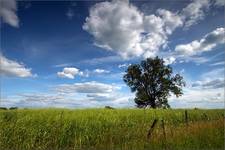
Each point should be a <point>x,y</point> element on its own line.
<point>163,127</point>
<point>164,133</point>
<point>152,128</point>
<point>205,116</point>
<point>186,117</point>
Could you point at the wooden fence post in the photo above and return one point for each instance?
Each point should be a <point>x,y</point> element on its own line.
<point>152,128</point>
<point>186,117</point>
<point>164,134</point>
<point>163,127</point>
<point>205,116</point>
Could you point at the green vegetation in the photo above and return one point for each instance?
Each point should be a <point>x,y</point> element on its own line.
<point>110,129</point>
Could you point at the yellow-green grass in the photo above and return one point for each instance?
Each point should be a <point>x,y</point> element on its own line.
<point>110,129</point>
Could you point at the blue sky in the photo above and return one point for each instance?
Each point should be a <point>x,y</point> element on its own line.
<point>74,53</point>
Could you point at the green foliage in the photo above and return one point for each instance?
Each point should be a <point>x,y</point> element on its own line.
<point>98,129</point>
<point>153,82</point>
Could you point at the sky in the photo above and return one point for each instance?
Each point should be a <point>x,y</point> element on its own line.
<point>73,54</point>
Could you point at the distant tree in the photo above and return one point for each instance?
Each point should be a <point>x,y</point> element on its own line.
<point>12,108</point>
<point>153,82</point>
<point>109,107</point>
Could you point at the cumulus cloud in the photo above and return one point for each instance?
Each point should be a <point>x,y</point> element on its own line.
<point>195,12</point>
<point>8,14</point>
<point>68,73</point>
<point>143,35</point>
<point>71,72</point>
<point>12,68</point>
<point>170,20</point>
<point>116,26</point>
<point>207,43</point>
<point>120,27</point>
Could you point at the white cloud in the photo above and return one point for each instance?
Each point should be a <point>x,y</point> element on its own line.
<point>44,100</point>
<point>218,63</point>
<point>198,59</point>
<point>8,14</point>
<point>85,73</point>
<point>125,65</point>
<point>65,101</point>
<point>208,92</point>
<point>69,72</point>
<point>12,68</point>
<point>120,27</point>
<point>100,71</point>
<point>170,20</point>
<point>113,99</point>
<point>169,60</point>
<point>194,12</point>
<point>86,94</point>
<point>116,26</point>
<point>207,43</point>
<point>87,87</point>
<point>205,98</point>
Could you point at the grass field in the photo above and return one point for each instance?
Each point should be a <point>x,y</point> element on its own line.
<point>111,129</point>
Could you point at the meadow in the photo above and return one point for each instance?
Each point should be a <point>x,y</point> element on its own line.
<point>106,129</point>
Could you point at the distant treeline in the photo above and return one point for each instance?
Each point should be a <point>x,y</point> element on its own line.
<point>10,108</point>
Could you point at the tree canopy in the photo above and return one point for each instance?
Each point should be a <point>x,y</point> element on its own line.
<point>153,82</point>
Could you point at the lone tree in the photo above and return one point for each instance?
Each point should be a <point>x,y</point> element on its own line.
<point>153,83</point>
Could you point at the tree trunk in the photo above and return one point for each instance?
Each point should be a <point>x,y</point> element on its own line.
<point>152,103</point>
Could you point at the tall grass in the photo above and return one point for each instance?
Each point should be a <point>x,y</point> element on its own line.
<point>110,129</point>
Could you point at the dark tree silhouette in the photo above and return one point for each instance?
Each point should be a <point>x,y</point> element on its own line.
<point>153,82</point>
